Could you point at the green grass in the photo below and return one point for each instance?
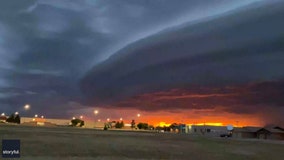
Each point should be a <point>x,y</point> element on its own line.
<point>78,143</point>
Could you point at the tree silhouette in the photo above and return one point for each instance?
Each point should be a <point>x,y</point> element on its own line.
<point>121,124</point>
<point>14,119</point>
<point>142,125</point>
<point>117,125</point>
<point>139,125</point>
<point>151,127</point>
<point>82,123</point>
<point>133,124</point>
<point>76,121</point>
<point>11,118</point>
<point>17,119</point>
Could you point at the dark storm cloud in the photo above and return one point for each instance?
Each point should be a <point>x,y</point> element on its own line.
<point>238,48</point>
<point>244,99</point>
<point>46,47</point>
<point>44,50</point>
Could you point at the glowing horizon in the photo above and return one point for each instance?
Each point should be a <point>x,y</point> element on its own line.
<point>162,118</point>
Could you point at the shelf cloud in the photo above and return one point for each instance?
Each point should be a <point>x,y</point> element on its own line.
<point>146,55</point>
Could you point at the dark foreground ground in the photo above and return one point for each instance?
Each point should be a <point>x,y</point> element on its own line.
<point>78,143</point>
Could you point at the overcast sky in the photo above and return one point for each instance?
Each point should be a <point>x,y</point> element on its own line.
<point>66,56</point>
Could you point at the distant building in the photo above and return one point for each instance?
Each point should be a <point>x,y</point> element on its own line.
<point>245,132</point>
<point>44,122</point>
<point>37,121</point>
<point>208,130</point>
<point>177,128</point>
<point>275,133</point>
<point>3,118</point>
<point>97,125</point>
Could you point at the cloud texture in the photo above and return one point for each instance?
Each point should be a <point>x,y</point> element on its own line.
<point>54,54</point>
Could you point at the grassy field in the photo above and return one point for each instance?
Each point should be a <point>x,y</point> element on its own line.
<point>78,143</point>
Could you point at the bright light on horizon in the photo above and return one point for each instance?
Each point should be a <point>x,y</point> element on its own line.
<point>209,124</point>
<point>16,113</point>
<point>96,112</point>
<point>3,114</point>
<point>163,124</point>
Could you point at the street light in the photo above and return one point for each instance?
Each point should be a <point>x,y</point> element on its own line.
<point>120,119</point>
<point>99,120</point>
<point>73,118</point>
<point>108,119</point>
<point>36,116</point>
<point>27,107</point>
<point>16,113</point>
<point>95,112</point>
<point>81,117</point>
<point>138,116</point>
<point>3,114</point>
<point>42,117</point>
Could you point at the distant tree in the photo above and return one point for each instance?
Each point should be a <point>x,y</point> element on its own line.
<point>174,126</point>
<point>76,121</point>
<point>133,123</point>
<point>139,125</point>
<point>105,128</point>
<point>82,123</point>
<point>145,126</point>
<point>108,124</point>
<point>117,125</point>
<point>11,118</point>
<point>142,125</point>
<point>159,128</point>
<point>17,119</point>
<point>121,124</point>
<point>151,127</point>
<point>166,129</point>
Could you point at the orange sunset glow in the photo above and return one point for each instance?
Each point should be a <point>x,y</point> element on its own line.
<point>235,120</point>
<point>214,117</point>
<point>196,106</point>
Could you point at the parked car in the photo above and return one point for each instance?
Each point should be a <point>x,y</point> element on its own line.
<point>225,135</point>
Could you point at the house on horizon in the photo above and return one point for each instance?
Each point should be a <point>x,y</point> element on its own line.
<point>274,133</point>
<point>3,118</point>
<point>208,130</point>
